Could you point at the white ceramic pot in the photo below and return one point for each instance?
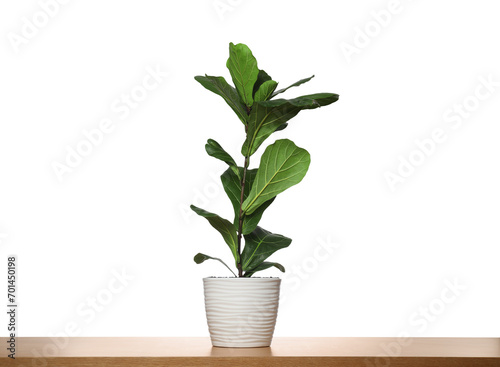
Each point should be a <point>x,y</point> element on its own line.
<point>241,312</point>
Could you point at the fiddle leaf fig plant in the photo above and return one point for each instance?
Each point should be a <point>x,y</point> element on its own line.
<point>282,165</point>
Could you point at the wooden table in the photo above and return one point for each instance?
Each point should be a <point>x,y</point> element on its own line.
<point>289,352</point>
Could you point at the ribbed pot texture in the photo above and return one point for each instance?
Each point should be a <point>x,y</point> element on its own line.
<point>241,312</point>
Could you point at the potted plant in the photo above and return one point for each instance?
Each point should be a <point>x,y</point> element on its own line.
<point>241,310</point>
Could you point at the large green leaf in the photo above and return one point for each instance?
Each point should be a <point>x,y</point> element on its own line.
<point>265,91</point>
<point>250,221</point>
<point>215,150</point>
<point>232,187</point>
<point>308,102</point>
<point>199,258</point>
<point>219,86</point>
<point>268,116</point>
<point>296,84</point>
<point>281,127</point>
<point>243,68</point>
<point>225,228</point>
<point>265,265</point>
<point>282,165</point>
<point>261,78</point>
<point>263,121</point>
<point>259,245</point>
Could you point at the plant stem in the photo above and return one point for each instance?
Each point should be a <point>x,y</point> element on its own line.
<point>240,218</point>
<point>240,225</point>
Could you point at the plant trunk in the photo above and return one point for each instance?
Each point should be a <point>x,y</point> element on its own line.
<point>240,225</point>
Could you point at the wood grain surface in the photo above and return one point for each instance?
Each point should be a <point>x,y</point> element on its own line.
<point>170,351</point>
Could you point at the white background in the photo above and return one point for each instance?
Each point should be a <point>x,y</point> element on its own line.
<point>365,260</point>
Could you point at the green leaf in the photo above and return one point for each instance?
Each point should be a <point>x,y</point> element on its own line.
<point>265,91</point>
<point>250,221</point>
<point>232,187</point>
<point>263,121</point>
<point>243,68</point>
<point>282,165</point>
<point>199,258</point>
<point>308,102</point>
<point>259,245</point>
<point>225,228</point>
<point>261,78</point>
<point>215,150</point>
<point>296,84</point>
<point>281,127</point>
<point>219,86</point>
<point>268,116</point>
<point>265,265</point>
